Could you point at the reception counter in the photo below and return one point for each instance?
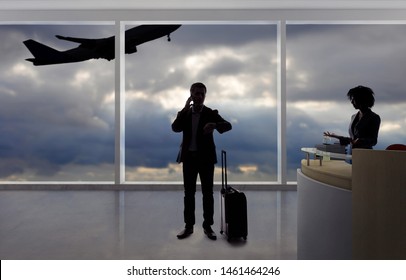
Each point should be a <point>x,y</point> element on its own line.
<point>324,211</point>
<point>353,211</point>
<point>333,172</point>
<point>379,204</point>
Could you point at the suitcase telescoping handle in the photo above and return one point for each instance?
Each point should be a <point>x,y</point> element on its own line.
<point>223,187</point>
<point>224,184</point>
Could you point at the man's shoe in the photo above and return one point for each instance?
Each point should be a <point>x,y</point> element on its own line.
<point>210,233</point>
<point>185,233</point>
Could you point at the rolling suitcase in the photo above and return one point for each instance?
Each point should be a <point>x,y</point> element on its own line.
<point>233,207</point>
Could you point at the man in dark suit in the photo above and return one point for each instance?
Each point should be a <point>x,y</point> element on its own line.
<point>198,155</point>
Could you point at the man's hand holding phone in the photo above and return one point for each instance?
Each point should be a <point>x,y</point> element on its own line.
<point>188,101</point>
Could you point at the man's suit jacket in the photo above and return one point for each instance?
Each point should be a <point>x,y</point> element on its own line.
<point>205,142</point>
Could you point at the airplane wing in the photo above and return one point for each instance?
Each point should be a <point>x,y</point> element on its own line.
<point>76,40</point>
<point>88,43</point>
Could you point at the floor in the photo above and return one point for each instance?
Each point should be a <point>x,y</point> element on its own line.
<point>114,225</point>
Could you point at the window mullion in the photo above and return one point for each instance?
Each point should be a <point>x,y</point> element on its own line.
<point>119,104</point>
<point>281,99</point>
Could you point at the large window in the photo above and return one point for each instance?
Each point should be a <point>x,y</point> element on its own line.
<point>323,62</point>
<point>56,121</point>
<point>238,65</point>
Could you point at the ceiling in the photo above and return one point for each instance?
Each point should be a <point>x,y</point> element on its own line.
<point>193,4</point>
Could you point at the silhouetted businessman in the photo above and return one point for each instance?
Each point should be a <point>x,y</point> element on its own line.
<point>198,155</point>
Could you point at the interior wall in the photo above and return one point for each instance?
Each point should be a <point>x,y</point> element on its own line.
<point>204,15</point>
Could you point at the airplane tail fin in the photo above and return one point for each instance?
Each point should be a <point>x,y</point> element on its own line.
<point>42,53</point>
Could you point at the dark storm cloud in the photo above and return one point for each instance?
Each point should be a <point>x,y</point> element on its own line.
<point>226,66</point>
<point>149,138</point>
<point>303,131</point>
<point>253,139</point>
<point>52,116</point>
<point>203,36</point>
<point>337,58</point>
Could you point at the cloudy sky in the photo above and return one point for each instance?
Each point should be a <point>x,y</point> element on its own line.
<point>57,121</point>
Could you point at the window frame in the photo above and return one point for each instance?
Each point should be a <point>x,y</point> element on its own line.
<point>282,17</point>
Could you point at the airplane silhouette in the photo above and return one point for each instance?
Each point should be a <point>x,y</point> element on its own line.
<point>96,48</point>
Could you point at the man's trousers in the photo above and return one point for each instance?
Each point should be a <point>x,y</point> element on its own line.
<point>194,165</point>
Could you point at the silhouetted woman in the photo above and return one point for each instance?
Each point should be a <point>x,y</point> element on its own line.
<point>364,126</point>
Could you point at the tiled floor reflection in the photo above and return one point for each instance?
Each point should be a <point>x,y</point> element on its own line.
<point>137,225</point>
